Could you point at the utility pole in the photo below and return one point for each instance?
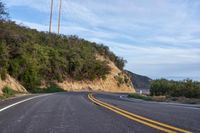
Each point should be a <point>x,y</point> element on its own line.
<point>59,16</point>
<point>51,13</point>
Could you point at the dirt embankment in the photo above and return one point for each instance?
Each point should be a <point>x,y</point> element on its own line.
<point>12,83</point>
<point>116,81</point>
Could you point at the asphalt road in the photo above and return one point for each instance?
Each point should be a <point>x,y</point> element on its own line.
<point>75,113</point>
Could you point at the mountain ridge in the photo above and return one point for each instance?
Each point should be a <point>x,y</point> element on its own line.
<point>139,81</point>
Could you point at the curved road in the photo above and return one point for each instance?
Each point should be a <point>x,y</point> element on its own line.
<point>75,113</point>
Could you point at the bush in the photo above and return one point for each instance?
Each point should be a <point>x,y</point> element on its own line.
<point>186,88</point>
<point>51,89</point>
<point>8,92</point>
<point>119,80</point>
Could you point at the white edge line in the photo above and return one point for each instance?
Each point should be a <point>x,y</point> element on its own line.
<point>9,106</point>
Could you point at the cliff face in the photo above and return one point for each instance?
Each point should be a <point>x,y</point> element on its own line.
<point>116,81</point>
<point>12,83</point>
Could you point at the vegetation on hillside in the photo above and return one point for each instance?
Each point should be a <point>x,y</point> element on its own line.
<point>121,79</point>
<point>7,92</point>
<point>162,90</point>
<point>185,88</point>
<point>165,98</point>
<point>31,56</point>
<point>51,89</point>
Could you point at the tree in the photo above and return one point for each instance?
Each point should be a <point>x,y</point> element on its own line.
<point>3,12</point>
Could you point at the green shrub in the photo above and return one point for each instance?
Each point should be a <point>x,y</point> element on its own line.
<point>185,88</point>
<point>7,92</point>
<point>119,80</point>
<point>51,89</point>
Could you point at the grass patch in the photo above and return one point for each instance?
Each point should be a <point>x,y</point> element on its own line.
<point>138,96</point>
<point>183,100</point>
<point>7,92</point>
<point>50,89</point>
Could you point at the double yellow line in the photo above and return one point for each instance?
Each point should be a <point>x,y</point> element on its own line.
<point>140,119</point>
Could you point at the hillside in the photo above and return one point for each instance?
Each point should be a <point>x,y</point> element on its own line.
<point>139,81</point>
<point>116,81</point>
<point>38,59</point>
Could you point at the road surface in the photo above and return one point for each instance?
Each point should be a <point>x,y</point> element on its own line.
<point>70,112</point>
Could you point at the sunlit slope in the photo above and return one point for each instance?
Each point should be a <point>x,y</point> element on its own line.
<point>115,81</point>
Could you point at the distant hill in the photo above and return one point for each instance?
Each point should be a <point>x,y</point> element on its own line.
<point>139,81</point>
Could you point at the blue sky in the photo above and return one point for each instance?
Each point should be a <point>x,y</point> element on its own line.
<point>158,38</point>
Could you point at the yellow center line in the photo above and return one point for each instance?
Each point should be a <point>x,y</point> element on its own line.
<point>132,118</point>
<point>143,118</point>
<point>138,118</point>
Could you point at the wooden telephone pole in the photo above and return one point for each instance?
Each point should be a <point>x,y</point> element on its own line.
<point>51,13</point>
<point>59,16</point>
